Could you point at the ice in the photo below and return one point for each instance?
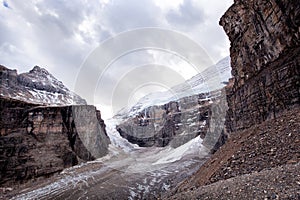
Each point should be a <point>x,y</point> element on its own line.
<point>146,167</point>
<point>172,155</point>
<point>116,139</point>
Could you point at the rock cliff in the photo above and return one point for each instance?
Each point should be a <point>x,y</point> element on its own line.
<point>265,49</point>
<point>177,122</point>
<point>263,116</point>
<point>41,135</point>
<point>161,119</point>
<point>38,141</point>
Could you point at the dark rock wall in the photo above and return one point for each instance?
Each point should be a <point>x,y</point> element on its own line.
<point>39,141</point>
<point>177,122</point>
<point>265,60</point>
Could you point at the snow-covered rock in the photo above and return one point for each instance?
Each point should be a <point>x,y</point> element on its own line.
<point>212,78</point>
<point>195,107</point>
<point>37,86</point>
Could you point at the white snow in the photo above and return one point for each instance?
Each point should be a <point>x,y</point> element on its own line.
<point>57,95</point>
<point>209,80</point>
<point>172,155</point>
<point>152,165</point>
<point>116,139</point>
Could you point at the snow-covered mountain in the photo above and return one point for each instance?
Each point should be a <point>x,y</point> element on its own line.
<point>212,78</point>
<point>37,86</point>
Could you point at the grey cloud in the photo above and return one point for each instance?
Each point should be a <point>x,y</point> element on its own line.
<point>123,15</point>
<point>44,33</point>
<point>52,28</point>
<point>187,16</point>
<point>150,75</point>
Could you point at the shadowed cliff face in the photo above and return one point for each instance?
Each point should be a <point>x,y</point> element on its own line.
<point>195,108</point>
<point>38,141</point>
<point>265,49</point>
<point>159,125</point>
<point>263,100</point>
<point>177,122</point>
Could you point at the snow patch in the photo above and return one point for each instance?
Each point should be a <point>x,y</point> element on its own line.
<point>172,155</point>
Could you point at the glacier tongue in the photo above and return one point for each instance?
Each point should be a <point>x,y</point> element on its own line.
<point>129,171</point>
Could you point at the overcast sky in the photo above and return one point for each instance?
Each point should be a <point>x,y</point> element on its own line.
<point>59,35</point>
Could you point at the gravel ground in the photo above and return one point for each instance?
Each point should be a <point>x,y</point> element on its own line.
<point>277,183</point>
<point>261,162</point>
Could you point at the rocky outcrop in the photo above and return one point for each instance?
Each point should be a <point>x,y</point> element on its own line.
<point>265,49</point>
<point>173,118</point>
<point>37,86</point>
<point>263,99</point>
<point>38,141</point>
<point>177,122</point>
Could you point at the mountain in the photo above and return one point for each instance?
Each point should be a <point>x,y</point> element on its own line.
<point>261,158</point>
<point>42,131</point>
<point>39,141</point>
<point>217,74</point>
<point>195,107</point>
<point>37,86</point>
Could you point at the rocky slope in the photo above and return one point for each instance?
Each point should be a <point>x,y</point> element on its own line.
<point>37,86</point>
<point>38,141</point>
<point>161,119</point>
<point>266,146</point>
<point>277,183</point>
<point>261,157</point>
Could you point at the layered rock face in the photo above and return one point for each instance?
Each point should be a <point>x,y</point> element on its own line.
<point>37,141</point>
<point>265,49</point>
<point>261,157</point>
<point>177,122</point>
<point>161,119</point>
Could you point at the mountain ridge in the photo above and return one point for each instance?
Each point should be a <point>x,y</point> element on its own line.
<point>195,85</point>
<point>36,86</point>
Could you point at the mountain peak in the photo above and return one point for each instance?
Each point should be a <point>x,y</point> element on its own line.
<point>37,86</point>
<point>39,70</point>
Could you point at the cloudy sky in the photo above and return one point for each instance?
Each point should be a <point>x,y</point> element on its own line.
<point>60,36</point>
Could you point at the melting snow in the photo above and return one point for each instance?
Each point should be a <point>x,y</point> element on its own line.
<point>172,155</point>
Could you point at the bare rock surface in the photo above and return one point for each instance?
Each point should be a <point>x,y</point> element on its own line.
<point>261,158</point>
<point>273,143</point>
<point>265,40</point>
<point>276,183</point>
<point>38,141</point>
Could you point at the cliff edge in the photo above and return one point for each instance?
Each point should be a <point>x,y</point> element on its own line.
<point>262,155</point>
<point>44,127</point>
